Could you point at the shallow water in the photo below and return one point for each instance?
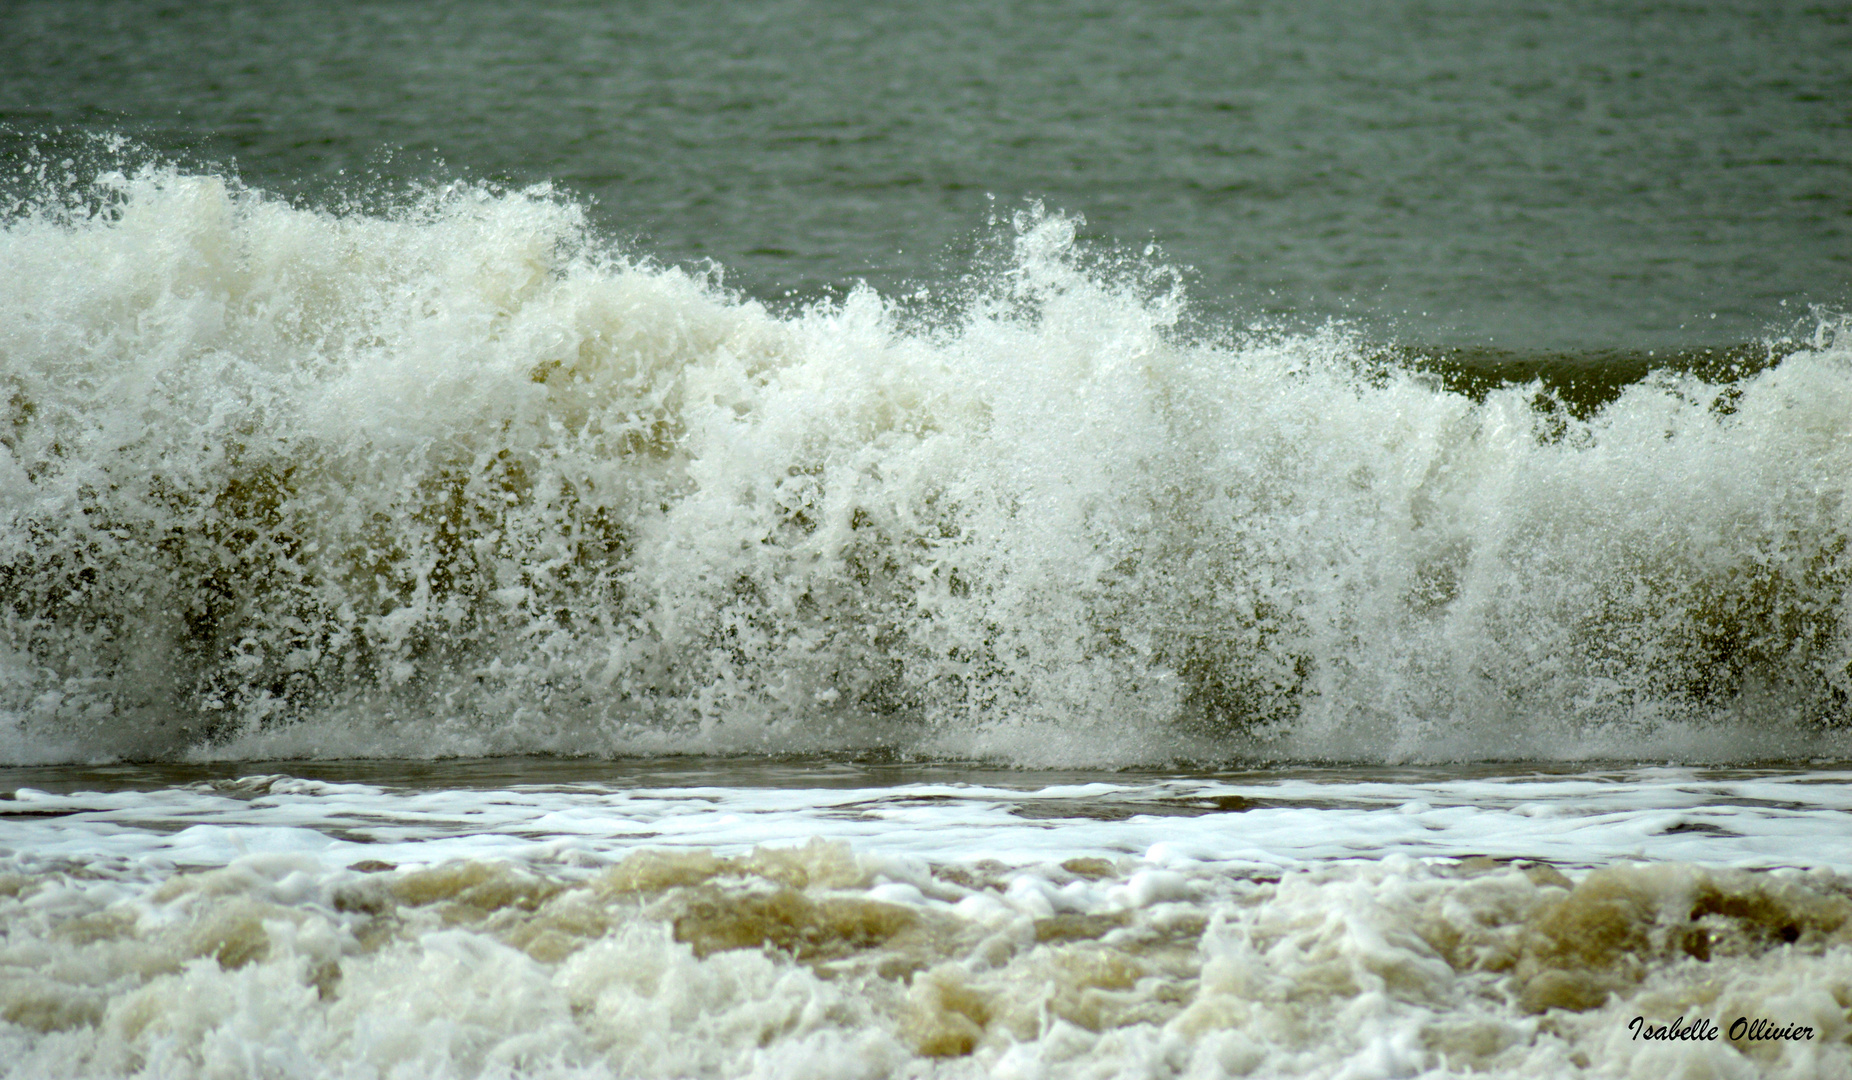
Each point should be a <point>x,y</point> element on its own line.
<point>536,917</point>
<point>1566,815</point>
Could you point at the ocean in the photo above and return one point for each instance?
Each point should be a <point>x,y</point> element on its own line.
<point>819,540</point>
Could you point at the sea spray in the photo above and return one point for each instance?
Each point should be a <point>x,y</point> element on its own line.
<point>460,478</point>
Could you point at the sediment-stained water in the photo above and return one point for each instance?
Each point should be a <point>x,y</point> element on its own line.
<point>931,922</point>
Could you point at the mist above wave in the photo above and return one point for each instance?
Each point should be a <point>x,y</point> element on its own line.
<point>459,478</point>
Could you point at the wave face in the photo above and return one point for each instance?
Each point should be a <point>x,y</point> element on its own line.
<point>459,479</point>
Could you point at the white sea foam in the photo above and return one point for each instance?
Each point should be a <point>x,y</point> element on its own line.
<point>457,480</point>
<point>279,927</point>
<point>1752,821</point>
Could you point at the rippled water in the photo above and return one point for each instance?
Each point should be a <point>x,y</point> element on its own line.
<point>1549,175</point>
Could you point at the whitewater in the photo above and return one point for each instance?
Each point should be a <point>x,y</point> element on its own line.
<point>438,641</point>
<point>459,479</point>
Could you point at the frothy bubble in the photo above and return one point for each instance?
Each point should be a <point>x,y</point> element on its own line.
<point>460,478</point>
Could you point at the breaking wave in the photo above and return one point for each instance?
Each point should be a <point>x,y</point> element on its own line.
<point>459,477</point>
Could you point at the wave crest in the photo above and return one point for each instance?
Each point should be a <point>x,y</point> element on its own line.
<point>461,479</point>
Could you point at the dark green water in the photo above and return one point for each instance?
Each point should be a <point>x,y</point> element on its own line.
<point>1533,176</point>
